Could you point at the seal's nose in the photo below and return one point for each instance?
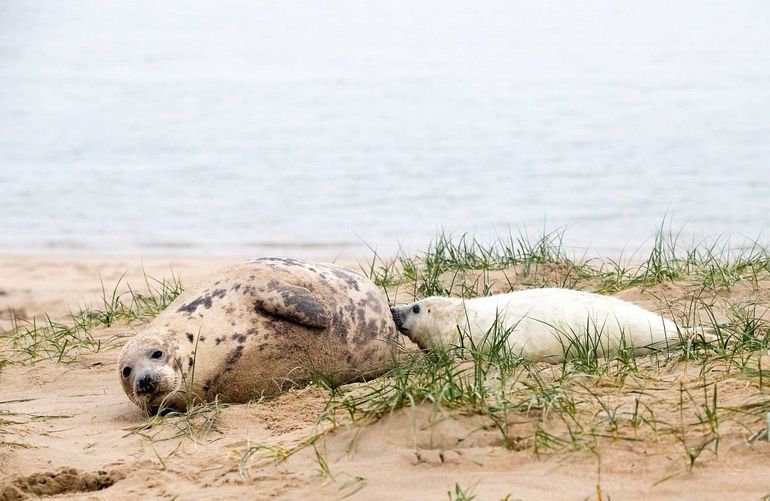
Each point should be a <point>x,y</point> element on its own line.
<point>397,317</point>
<point>145,385</point>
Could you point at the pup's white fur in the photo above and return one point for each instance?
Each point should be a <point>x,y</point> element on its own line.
<point>541,324</point>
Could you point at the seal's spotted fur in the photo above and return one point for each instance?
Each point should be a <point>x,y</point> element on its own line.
<point>256,329</point>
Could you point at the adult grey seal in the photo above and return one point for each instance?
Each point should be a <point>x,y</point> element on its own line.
<point>256,329</point>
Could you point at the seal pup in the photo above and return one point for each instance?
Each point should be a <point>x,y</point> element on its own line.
<point>257,329</point>
<point>547,324</point>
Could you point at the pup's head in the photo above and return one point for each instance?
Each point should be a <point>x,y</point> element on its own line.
<point>430,323</point>
<point>149,372</point>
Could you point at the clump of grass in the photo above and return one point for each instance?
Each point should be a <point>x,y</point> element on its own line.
<point>712,264</point>
<point>694,448</point>
<point>260,452</point>
<point>460,493</point>
<point>61,340</point>
<point>51,340</point>
<point>465,266</point>
<point>438,378</point>
<point>197,422</point>
<point>442,268</point>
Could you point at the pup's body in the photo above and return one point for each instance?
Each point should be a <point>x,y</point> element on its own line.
<point>540,324</point>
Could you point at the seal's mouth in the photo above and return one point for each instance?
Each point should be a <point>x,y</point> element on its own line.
<point>154,394</point>
<point>150,403</point>
<point>159,405</point>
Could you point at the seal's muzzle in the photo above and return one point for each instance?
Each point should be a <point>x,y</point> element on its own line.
<point>146,385</point>
<point>398,318</point>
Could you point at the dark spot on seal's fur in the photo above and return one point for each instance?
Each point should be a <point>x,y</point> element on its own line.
<point>236,287</point>
<point>285,260</point>
<point>205,301</point>
<point>374,302</point>
<point>193,305</point>
<point>189,363</point>
<point>219,340</point>
<point>234,355</point>
<point>340,328</point>
<point>190,336</point>
<point>347,276</point>
<point>238,337</point>
<point>371,329</point>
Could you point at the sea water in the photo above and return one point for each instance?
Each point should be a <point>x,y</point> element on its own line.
<point>254,127</point>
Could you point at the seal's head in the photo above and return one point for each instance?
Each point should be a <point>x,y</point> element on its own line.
<point>148,372</point>
<point>430,323</point>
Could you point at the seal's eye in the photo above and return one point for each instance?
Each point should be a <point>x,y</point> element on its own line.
<point>416,308</point>
<point>126,371</point>
<point>157,354</point>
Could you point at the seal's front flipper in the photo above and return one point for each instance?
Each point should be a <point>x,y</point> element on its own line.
<point>293,303</point>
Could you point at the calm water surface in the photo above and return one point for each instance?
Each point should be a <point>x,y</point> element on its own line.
<point>311,127</point>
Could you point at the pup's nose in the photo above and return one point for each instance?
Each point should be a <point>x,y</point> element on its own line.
<point>145,385</point>
<point>396,317</point>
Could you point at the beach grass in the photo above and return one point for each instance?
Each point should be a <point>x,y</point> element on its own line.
<point>460,265</point>
<point>62,340</point>
<point>195,423</point>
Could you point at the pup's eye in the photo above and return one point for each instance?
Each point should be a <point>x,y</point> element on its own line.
<point>126,371</point>
<point>157,354</point>
<point>416,308</point>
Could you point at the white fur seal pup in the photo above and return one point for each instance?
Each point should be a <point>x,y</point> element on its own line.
<point>541,324</point>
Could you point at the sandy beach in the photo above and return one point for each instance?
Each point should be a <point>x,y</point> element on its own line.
<point>68,429</point>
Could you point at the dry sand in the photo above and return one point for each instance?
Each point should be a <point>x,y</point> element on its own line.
<point>68,428</point>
